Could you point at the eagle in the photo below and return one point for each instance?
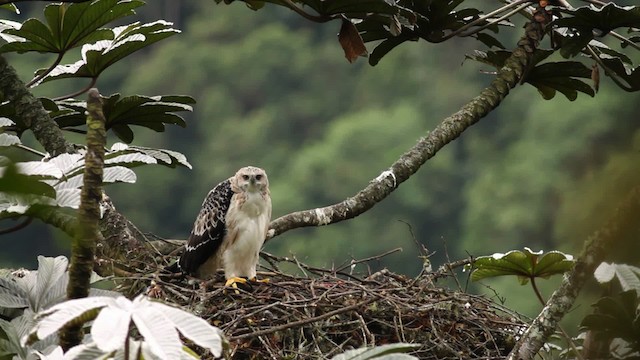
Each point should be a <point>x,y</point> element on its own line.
<point>230,228</point>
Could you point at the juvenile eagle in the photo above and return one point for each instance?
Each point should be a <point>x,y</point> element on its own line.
<point>230,228</point>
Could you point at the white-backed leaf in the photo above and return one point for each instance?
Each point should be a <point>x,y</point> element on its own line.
<point>24,323</point>
<point>56,293</point>
<point>132,158</point>
<point>65,70</point>
<point>52,353</point>
<point>111,328</point>
<point>8,140</point>
<point>119,147</point>
<point>157,331</point>
<point>11,300</point>
<point>68,198</point>
<point>74,182</point>
<point>156,153</point>
<point>179,157</point>
<point>39,168</point>
<point>66,162</point>
<point>605,272</point>
<point>12,342</point>
<point>50,270</point>
<point>86,352</point>
<point>5,121</point>
<point>193,328</point>
<point>119,174</point>
<point>629,277</point>
<point>13,292</point>
<point>58,315</point>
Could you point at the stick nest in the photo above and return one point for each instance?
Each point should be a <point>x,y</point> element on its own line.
<point>325,312</point>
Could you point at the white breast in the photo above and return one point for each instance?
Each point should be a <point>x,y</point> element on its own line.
<point>250,222</point>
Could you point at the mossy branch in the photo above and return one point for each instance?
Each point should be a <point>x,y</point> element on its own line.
<point>448,130</point>
<point>29,111</point>
<point>623,221</point>
<point>84,243</point>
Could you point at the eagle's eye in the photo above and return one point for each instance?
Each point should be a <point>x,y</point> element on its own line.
<point>245,177</point>
<point>258,177</point>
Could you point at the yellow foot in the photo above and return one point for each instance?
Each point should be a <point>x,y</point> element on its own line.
<point>266,280</point>
<point>234,281</point>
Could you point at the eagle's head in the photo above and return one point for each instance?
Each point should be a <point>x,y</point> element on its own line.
<point>251,179</point>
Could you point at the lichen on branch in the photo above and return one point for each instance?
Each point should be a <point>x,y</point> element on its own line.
<point>448,130</point>
<point>84,243</point>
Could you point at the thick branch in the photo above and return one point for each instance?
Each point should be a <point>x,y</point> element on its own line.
<point>29,111</point>
<point>624,220</point>
<point>84,243</point>
<point>448,130</point>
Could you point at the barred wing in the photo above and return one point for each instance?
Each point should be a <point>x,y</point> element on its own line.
<point>209,229</point>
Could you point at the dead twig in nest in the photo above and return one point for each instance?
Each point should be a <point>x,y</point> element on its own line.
<point>325,312</point>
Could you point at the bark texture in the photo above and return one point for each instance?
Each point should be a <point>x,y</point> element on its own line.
<point>624,220</point>
<point>84,243</point>
<point>29,112</point>
<point>426,148</point>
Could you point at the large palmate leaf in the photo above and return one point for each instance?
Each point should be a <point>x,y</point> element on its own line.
<point>66,26</point>
<point>549,77</point>
<point>157,323</point>
<point>152,112</point>
<point>627,275</point>
<point>600,21</point>
<point>525,265</point>
<point>631,76</point>
<point>122,41</point>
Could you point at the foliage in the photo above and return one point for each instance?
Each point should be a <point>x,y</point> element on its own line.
<point>57,181</point>
<point>391,24</point>
<point>617,317</point>
<point>526,265</point>
<point>25,293</point>
<point>158,324</point>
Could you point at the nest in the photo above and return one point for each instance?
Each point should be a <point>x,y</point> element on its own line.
<point>321,313</point>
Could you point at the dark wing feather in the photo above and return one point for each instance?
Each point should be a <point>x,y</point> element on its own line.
<point>208,230</point>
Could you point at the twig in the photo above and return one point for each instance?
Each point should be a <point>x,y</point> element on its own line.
<point>304,321</point>
<point>375,257</point>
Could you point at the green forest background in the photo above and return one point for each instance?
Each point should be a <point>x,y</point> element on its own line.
<point>275,91</point>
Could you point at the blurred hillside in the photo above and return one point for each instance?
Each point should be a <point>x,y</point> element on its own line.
<point>275,91</point>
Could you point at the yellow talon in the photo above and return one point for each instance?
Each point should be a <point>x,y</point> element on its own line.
<point>266,280</point>
<point>233,281</point>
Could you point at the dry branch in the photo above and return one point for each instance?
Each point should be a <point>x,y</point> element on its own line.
<point>323,312</point>
<point>624,221</point>
<point>410,162</point>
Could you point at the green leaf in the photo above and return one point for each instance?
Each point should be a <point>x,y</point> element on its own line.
<point>68,26</point>
<point>602,20</point>
<point>560,76</point>
<point>50,271</point>
<point>11,7</point>
<point>123,132</point>
<point>524,264</point>
<point>152,112</point>
<point>13,181</point>
<point>122,42</point>
<point>489,40</point>
<point>615,316</point>
<point>630,75</point>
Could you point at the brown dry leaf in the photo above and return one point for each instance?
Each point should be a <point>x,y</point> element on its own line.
<point>351,41</point>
